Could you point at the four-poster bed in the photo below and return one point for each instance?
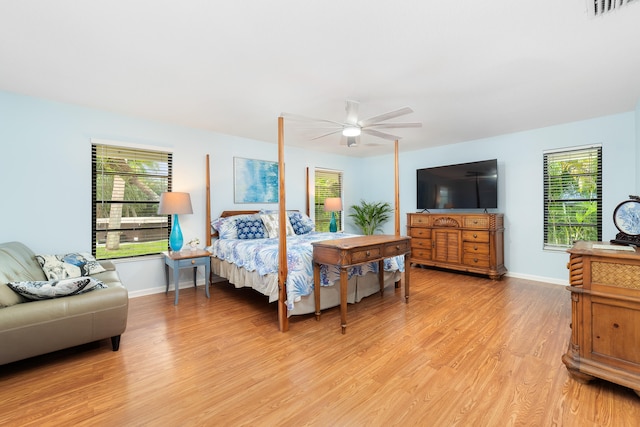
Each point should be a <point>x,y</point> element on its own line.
<point>293,301</point>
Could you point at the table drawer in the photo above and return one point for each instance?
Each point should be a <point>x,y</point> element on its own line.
<point>364,255</point>
<point>476,260</point>
<point>476,248</point>
<point>475,236</point>
<point>423,233</point>
<point>192,262</point>
<point>398,248</point>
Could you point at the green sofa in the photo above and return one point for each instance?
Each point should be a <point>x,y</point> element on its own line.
<point>30,328</point>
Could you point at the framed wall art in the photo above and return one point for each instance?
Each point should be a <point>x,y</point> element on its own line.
<point>255,181</point>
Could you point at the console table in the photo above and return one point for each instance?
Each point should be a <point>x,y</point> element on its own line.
<point>351,251</point>
<point>605,314</point>
<point>187,258</point>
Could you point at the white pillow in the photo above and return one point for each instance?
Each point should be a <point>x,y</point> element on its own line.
<point>271,221</point>
<point>74,264</point>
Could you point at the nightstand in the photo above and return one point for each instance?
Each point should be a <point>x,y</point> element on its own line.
<point>183,259</point>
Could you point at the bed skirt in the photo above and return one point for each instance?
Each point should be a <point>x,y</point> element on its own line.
<point>358,286</point>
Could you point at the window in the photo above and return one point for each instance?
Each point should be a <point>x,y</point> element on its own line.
<point>126,188</point>
<point>572,196</point>
<point>328,183</point>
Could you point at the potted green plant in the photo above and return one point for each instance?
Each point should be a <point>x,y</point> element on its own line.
<point>370,216</point>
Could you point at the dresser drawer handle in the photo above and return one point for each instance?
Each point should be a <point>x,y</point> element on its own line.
<point>398,247</point>
<point>475,247</point>
<point>368,253</point>
<point>475,236</point>
<point>193,261</point>
<point>475,260</point>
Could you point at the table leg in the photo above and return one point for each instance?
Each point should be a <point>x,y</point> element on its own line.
<point>343,298</point>
<point>195,273</point>
<point>176,283</point>
<point>316,288</point>
<point>381,276</point>
<point>166,275</point>
<point>207,278</point>
<point>407,277</point>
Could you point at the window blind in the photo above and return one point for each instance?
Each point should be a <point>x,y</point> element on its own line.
<point>126,187</point>
<point>328,183</point>
<point>572,196</point>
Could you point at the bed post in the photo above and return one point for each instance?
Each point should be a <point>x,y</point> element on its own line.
<point>283,319</point>
<point>397,201</point>
<point>208,204</point>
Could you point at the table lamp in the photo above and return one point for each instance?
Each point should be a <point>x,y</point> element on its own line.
<point>333,205</point>
<point>173,203</point>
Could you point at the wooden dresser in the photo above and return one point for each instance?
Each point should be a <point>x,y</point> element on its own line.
<point>465,242</point>
<point>605,315</point>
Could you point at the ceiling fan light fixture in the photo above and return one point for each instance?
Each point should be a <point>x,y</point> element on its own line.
<point>351,131</point>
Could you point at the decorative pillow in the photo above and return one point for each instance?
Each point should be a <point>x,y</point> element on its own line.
<point>250,228</point>
<point>226,227</point>
<point>73,264</point>
<point>40,290</point>
<point>271,225</point>
<point>301,223</point>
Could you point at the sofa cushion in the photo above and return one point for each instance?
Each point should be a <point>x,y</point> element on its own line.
<point>39,290</point>
<point>75,264</point>
<point>8,297</point>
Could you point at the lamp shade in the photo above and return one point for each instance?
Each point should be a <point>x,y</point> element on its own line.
<point>175,203</point>
<point>333,204</point>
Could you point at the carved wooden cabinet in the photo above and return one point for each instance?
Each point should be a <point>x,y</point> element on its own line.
<point>605,315</point>
<point>465,242</point>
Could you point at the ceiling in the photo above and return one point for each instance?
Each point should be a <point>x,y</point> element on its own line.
<point>469,69</point>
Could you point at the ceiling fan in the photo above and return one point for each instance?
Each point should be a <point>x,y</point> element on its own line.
<point>352,127</point>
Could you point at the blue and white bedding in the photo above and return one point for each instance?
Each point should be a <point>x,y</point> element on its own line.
<point>261,256</point>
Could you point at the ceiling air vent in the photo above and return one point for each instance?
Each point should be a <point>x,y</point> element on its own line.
<point>602,7</point>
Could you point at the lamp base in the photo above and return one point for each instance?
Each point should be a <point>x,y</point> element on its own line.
<point>333,225</point>
<point>175,238</point>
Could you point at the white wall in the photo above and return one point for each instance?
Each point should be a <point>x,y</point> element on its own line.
<point>45,173</point>
<point>520,189</point>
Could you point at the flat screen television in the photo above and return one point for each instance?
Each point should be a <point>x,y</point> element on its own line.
<point>463,186</point>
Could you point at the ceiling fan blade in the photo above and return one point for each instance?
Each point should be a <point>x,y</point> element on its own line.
<point>382,135</point>
<point>300,118</point>
<point>352,112</point>
<point>386,116</point>
<point>395,125</point>
<point>327,134</point>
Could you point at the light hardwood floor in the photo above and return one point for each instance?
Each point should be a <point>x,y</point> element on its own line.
<point>465,351</point>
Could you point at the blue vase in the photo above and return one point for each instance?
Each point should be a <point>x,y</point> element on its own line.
<point>175,238</point>
<point>333,226</point>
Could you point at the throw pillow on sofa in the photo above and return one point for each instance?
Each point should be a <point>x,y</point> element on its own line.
<point>39,290</point>
<point>74,264</point>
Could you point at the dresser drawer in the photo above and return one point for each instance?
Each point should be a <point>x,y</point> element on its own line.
<point>476,260</point>
<point>362,256</point>
<point>475,236</point>
<point>423,233</point>
<point>420,254</point>
<point>479,221</point>
<point>420,220</point>
<point>476,248</point>
<point>420,244</point>
<point>395,249</point>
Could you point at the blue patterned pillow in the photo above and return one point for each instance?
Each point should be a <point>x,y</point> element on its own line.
<point>301,224</point>
<point>39,290</point>
<point>250,228</point>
